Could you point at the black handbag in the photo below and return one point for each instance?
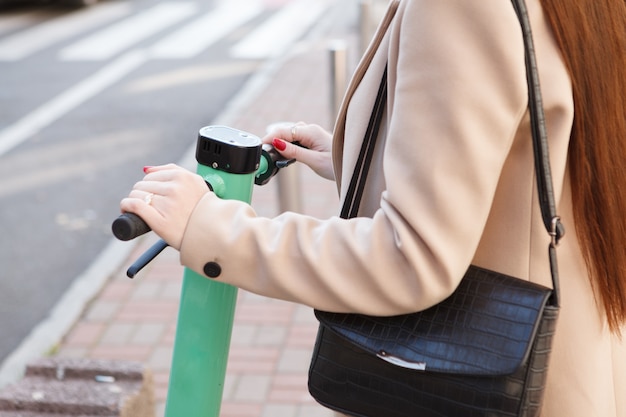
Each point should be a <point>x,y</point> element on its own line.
<point>484,351</point>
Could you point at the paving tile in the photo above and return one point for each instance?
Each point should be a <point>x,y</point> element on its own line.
<point>161,377</point>
<point>149,310</point>
<point>66,351</point>
<point>264,313</point>
<point>117,334</point>
<point>169,272</point>
<point>161,358</point>
<point>270,335</point>
<point>244,334</point>
<point>279,410</point>
<point>252,388</point>
<point>290,395</point>
<point>240,410</point>
<point>304,314</point>
<point>252,360</point>
<point>126,353</point>
<point>171,290</point>
<point>84,333</point>
<point>160,409</point>
<point>160,394</point>
<point>289,380</point>
<point>302,335</point>
<point>315,410</point>
<point>117,290</point>
<point>147,334</point>
<point>102,310</point>
<point>146,290</point>
<point>230,384</point>
<point>294,360</point>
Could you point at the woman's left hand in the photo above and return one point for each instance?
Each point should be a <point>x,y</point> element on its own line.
<point>165,199</point>
<point>315,149</point>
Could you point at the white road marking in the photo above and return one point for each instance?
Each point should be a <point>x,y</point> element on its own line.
<point>198,35</point>
<point>110,41</point>
<point>271,39</point>
<point>49,112</point>
<point>280,31</point>
<point>22,44</point>
<point>192,75</point>
<point>62,161</point>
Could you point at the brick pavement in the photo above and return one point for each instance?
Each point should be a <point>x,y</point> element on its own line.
<point>272,340</point>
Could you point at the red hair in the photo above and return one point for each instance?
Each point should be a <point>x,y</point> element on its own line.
<point>591,35</point>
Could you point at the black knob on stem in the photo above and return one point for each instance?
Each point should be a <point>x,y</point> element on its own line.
<point>145,259</point>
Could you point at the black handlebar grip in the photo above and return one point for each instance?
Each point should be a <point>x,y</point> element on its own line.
<point>128,226</point>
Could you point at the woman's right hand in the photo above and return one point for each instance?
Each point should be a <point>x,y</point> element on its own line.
<point>314,150</point>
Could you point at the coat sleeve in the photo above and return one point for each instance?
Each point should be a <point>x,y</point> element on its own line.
<point>457,95</point>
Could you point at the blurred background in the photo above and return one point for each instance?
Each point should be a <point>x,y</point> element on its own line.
<point>93,90</point>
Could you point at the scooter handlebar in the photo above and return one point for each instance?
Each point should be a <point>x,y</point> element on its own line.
<point>129,226</point>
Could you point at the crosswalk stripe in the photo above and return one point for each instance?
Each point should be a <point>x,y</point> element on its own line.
<point>30,41</point>
<point>114,39</point>
<point>282,30</point>
<point>198,35</point>
<point>191,75</point>
<point>49,112</point>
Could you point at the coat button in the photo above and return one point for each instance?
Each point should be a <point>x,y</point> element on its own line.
<point>212,269</point>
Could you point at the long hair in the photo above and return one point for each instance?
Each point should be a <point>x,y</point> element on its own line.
<point>591,35</point>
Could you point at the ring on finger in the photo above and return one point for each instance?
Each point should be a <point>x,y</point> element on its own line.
<point>148,198</point>
<point>294,133</point>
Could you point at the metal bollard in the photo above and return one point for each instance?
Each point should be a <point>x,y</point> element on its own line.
<point>370,14</point>
<point>365,25</point>
<point>338,75</point>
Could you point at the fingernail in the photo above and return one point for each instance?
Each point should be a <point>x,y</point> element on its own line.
<point>146,169</point>
<point>279,144</point>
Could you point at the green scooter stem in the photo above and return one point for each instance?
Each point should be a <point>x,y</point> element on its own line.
<point>207,307</point>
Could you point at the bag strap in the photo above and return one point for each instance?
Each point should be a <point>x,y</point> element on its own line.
<point>551,220</point>
<point>357,183</point>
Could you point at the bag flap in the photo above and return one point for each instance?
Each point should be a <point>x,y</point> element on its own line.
<point>486,327</point>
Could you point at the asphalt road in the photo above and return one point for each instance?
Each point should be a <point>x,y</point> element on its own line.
<point>90,96</point>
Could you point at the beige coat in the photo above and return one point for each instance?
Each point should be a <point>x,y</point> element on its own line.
<point>451,184</point>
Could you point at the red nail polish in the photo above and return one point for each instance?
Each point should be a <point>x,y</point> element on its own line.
<point>146,169</point>
<point>279,144</point>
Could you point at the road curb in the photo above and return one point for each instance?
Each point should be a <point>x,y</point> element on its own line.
<point>44,336</point>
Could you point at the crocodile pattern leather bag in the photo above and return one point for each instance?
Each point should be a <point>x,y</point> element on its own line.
<point>484,351</point>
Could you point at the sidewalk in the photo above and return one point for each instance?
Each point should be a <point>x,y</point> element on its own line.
<point>272,340</point>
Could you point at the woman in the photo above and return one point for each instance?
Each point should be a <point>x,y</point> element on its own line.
<point>451,183</point>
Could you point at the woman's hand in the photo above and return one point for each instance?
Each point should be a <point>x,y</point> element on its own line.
<point>165,199</point>
<point>315,150</point>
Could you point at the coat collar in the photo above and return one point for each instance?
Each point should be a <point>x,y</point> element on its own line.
<point>340,123</point>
